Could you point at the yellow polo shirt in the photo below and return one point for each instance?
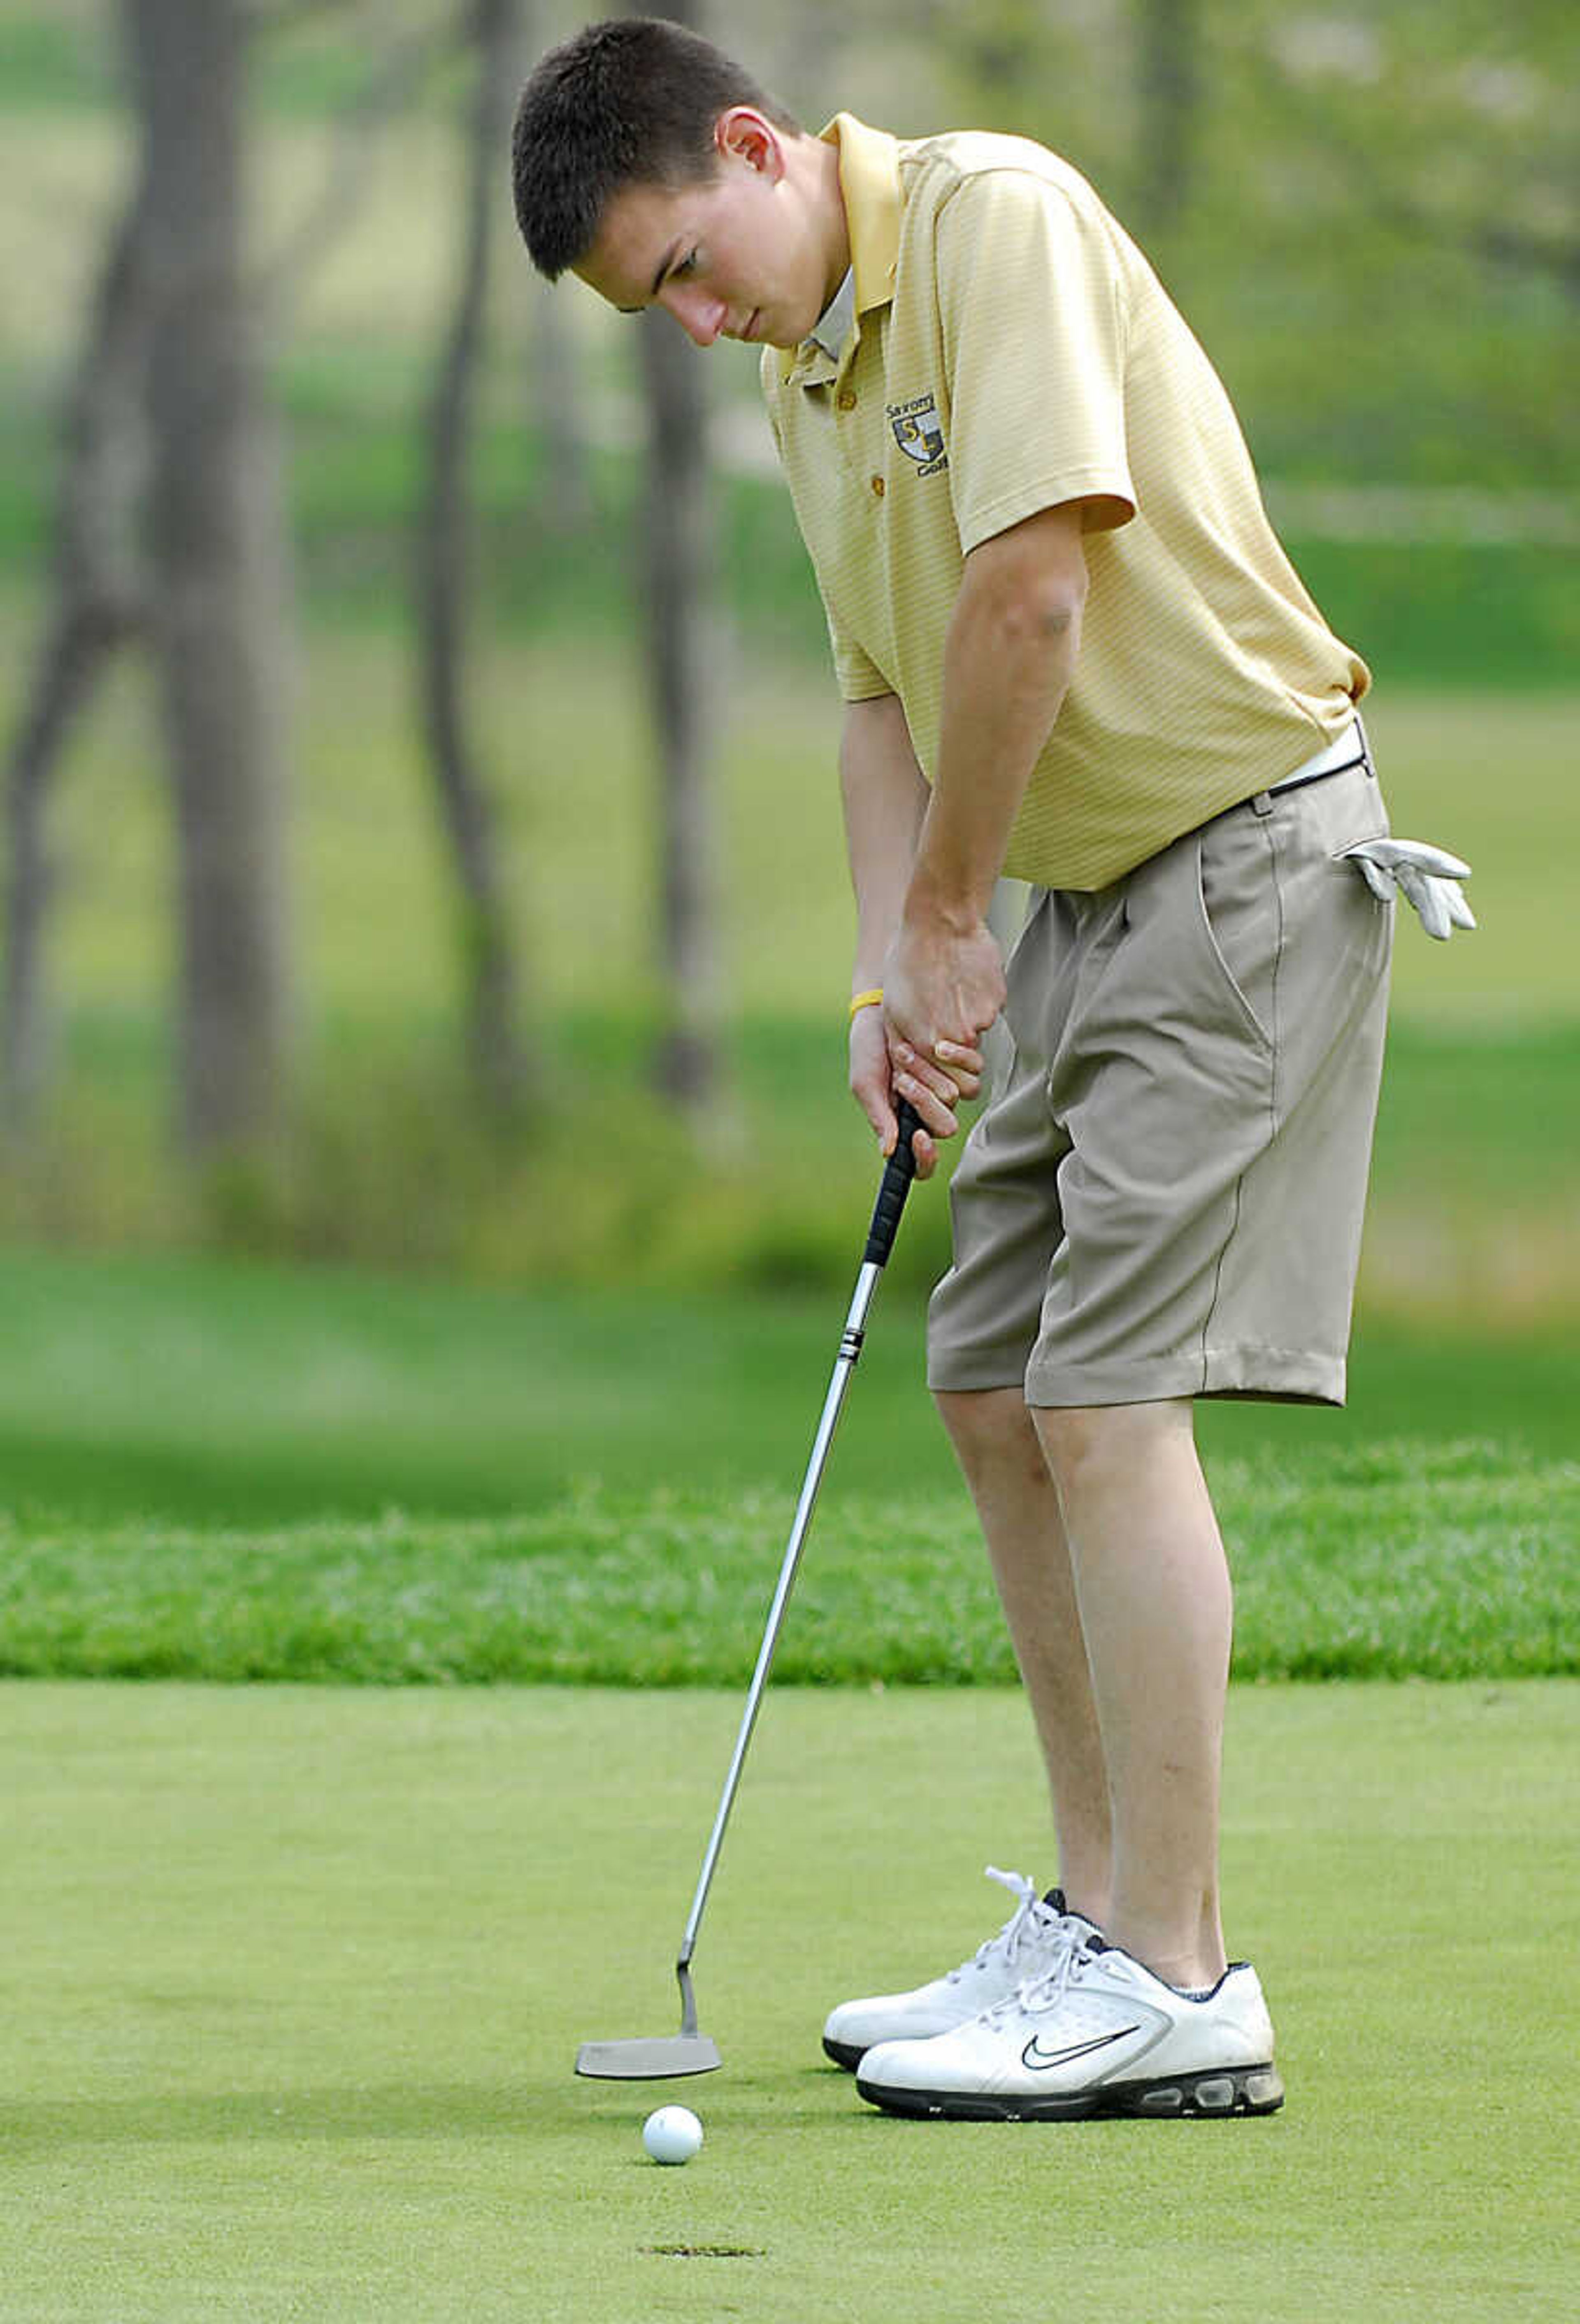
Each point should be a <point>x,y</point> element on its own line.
<point>1011,350</point>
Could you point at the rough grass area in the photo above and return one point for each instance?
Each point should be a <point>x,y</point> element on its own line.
<point>218,1470</point>
<point>1446,1562</point>
<point>292,1981</point>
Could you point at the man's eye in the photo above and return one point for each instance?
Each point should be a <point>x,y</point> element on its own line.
<point>688,264</point>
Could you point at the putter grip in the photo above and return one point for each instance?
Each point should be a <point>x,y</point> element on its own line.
<point>897,1174</point>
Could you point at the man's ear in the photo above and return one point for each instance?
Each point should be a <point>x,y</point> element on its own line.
<point>742,135</point>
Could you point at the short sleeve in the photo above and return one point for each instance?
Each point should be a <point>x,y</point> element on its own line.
<point>1031,308</point>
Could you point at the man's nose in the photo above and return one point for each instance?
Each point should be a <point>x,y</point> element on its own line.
<point>700,315</point>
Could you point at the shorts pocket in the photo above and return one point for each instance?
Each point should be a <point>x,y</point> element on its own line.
<point>1025,972</point>
<point>1241,915</point>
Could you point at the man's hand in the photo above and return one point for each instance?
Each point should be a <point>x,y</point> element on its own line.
<point>942,991</point>
<point>942,987</point>
<point>881,1075</point>
<point>942,980</point>
<point>1427,877</point>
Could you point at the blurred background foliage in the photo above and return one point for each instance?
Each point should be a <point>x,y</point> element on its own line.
<point>1372,218</point>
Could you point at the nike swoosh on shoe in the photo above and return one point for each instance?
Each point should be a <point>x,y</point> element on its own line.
<point>1037,2060</point>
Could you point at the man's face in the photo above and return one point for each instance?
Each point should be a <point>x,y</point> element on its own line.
<point>735,256</point>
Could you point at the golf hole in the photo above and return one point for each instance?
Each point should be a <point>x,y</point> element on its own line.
<point>705,2250</point>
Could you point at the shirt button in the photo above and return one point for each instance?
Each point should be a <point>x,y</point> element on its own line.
<point>878,488</point>
<point>846,399</point>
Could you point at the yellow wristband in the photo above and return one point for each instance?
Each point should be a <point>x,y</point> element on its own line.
<point>871,999</point>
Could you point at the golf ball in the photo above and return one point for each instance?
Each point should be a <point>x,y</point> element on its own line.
<point>672,2134</point>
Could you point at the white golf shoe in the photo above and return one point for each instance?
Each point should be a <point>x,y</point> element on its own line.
<point>1099,2034</point>
<point>1032,1941</point>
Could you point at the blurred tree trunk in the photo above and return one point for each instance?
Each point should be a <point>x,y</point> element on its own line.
<point>99,599</point>
<point>678,587</point>
<point>499,1065</point>
<point>216,569</point>
<point>1169,89</point>
<point>564,498</point>
<point>677,577</point>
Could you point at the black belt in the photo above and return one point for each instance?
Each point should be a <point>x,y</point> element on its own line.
<point>1262,801</point>
<point>1299,782</point>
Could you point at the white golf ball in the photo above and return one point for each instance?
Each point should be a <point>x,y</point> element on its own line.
<point>672,2134</point>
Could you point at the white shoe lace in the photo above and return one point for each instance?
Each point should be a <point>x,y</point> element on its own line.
<point>1032,1921</point>
<point>1047,1990</point>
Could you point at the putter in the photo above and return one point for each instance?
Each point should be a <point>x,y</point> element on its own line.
<point>669,2056</point>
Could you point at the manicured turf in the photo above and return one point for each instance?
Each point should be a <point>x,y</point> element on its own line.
<point>292,1982</point>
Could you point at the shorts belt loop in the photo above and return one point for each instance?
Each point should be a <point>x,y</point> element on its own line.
<point>1261,804</point>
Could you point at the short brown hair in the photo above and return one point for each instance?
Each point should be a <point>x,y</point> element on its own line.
<point>632,101</point>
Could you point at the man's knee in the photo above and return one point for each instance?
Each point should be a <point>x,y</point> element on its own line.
<point>1079,1440</point>
<point>995,1440</point>
<point>988,1425</point>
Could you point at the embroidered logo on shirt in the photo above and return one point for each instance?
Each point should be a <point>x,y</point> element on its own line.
<point>918,433</point>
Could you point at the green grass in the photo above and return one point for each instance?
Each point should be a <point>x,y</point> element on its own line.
<point>294,1980</point>
<point>1441,1562</point>
<point>1457,615</point>
<point>222,1471</point>
<point>190,1391</point>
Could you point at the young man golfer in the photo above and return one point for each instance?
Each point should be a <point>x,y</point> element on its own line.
<point>1071,650</point>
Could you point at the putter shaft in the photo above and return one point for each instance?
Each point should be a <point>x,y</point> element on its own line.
<point>850,1340</point>
<point>899,1173</point>
<point>689,2052</point>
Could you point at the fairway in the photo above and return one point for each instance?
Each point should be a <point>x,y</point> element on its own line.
<point>293,1979</point>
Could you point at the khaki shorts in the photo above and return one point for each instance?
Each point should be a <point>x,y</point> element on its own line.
<point>1164,1197</point>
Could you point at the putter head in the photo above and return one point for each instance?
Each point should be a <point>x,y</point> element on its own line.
<point>659,2061</point>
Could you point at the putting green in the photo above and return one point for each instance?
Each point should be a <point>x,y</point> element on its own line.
<point>290,1983</point>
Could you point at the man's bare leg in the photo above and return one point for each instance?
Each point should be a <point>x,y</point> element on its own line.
<point>1156,1613</point>
<point>996,1442</point>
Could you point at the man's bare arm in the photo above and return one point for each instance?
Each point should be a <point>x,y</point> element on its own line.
<point>885,795</point>
<point>1008,660</point>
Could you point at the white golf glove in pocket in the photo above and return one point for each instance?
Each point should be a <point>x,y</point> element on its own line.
<point>1427,877</point>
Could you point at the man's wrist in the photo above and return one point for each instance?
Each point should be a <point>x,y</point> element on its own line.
<point>937,907</point>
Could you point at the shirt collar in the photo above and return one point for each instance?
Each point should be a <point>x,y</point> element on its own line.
<point>869,183</point>
<point>832,327</point>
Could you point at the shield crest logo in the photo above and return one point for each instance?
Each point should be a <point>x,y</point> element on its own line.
<point>918,433</point>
